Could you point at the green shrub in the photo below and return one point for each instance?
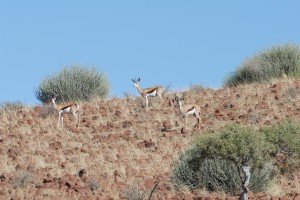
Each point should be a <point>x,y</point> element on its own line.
<point>218,174</point>
<point>216,160</point>
<point>184,175</point>
<point>286,137</point>
<point>263,177</point>
<point>72,84</point>
<point>276,62</point>
<point>241,144</point>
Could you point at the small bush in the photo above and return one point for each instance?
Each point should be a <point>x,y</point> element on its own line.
<point>218,174</point>
<point>11,106</point>
<point>94,185</point>
<point>134,193</point>
<point>73,83</point>
<point>197,88</point>
<point>286,137</point>
<point>22,180</point>
<point>276,62</point>
<point>167,89</point>
<point>292,92</point>
<point>128,95</point>
<point>215,161</point>
<point>46,111</point>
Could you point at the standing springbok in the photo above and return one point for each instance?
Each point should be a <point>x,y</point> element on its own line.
<point>148,92</point>
<point>189,109</point>
<point>69,107</point>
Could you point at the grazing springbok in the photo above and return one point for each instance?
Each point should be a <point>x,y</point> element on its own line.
<point>148,92</point>
<point>189,109</point>
<point>69,107</point>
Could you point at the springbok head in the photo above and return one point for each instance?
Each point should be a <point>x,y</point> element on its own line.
<point>179,100</point>
<point>136,82</point>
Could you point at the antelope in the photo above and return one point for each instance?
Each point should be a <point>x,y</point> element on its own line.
<point>148,92</point>
<point>69,107</point>
<point>189,109</point>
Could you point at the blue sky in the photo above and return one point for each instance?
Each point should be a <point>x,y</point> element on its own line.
<point>165,42</point>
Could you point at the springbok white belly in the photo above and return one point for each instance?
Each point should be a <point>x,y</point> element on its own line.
<point>191,112</point>
<point>68,109</point>
<point>152,94</point>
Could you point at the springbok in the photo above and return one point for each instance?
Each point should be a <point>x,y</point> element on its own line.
<point>69,107</point>
<point>148,92</point>
<point>189,109</point>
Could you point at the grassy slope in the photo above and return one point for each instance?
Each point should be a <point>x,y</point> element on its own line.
<point>120,148</point>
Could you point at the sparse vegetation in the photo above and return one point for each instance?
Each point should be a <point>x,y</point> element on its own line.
<point>197,88</point>
<point>46,110</point>
<point>128,95</point>
<point>134,193</point>
<point>73,83</point>
<point>22,179</point>
<point>273,63</point>
<point>293,92</point>
<point>167,89</point>
<point>94,185</point>
<point>11,106</point>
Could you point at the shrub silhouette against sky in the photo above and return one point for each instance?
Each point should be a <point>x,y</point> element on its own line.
<point>73,83</point>
<point>273,63</point>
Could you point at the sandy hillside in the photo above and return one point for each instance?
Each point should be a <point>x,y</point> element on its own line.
<point>119,150</point>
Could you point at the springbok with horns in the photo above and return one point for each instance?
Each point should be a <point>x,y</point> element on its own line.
<point>148,92</point>
<point>69,107</point>
<point>189,109</point>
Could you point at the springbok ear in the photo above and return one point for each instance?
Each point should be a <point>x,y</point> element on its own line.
<point>132,80</point>
<point>139,79</point>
